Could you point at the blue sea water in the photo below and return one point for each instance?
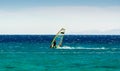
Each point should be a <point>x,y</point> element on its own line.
<point>78,53</point>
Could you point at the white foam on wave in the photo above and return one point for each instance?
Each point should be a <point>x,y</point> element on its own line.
<point>68,47</point>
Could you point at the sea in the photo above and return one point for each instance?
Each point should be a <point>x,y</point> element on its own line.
<point>78,53</point>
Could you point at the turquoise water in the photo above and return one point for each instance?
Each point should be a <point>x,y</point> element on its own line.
<point>81,53</point>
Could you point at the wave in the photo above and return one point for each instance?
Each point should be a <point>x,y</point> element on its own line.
<point>87,48</point>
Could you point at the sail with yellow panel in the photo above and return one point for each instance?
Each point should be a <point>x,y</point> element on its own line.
<point>58,39</point>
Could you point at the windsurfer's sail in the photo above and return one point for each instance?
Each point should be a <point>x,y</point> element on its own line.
<point>57,40</point>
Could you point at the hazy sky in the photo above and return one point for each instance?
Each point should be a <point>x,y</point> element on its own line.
<point>48,16</point>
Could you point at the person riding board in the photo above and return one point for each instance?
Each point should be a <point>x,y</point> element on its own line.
<point>53,45</point>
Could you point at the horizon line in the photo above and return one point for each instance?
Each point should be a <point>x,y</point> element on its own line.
<point>55,34</point>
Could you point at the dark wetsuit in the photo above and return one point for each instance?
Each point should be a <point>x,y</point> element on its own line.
<point>54,44</point>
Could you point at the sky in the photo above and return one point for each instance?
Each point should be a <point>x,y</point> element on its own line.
<point>49,16</point>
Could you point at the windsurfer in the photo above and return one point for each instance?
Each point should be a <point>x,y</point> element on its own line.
<point>54,44</point>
